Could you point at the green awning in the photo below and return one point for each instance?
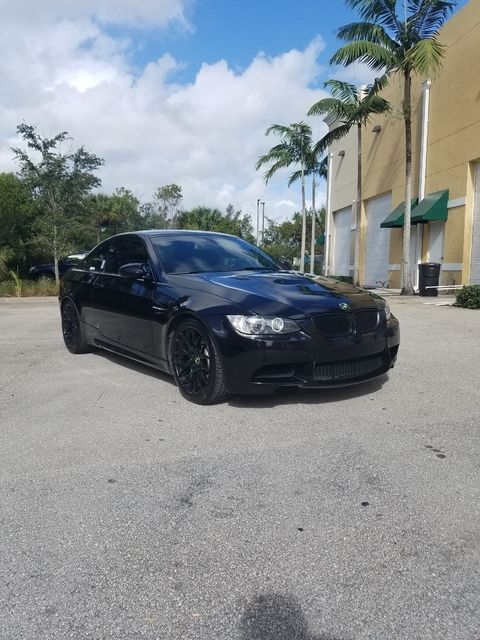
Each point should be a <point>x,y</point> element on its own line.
<point>434,207</point>
<point>395,219</point>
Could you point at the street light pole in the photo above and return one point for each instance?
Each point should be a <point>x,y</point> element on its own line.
<point>258,219</point>
<point>263,220</point>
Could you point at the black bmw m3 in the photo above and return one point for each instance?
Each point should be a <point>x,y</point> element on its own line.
<point>222,316</point>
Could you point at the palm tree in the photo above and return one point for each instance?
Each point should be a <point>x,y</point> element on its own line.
<point>296,142</point>
<point>391,45</point>
<point>352,107</point>
<point>313,167</point>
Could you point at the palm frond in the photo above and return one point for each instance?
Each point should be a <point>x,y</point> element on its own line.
<point>344,91</point>
<point>335,134</point>
<point>325,106</point>
<point>379,11</point>
<point>283,163</point>
<point>295,176</point>
<point>371,32</point>
<point>322,170</point>
<point>377,85</point>
<point>425,57</point>
<point>428,16</point>
<point>275,154</point>
<point>376,56</point>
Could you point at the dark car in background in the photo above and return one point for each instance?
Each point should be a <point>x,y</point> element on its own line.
<point>48,270</point>
<point>222,317</point>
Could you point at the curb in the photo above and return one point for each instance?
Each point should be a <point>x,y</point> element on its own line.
<point>29,300</point>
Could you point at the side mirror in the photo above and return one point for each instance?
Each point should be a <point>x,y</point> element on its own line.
<point>135,270</point>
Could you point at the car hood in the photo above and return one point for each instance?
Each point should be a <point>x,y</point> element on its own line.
<point>272,293</point>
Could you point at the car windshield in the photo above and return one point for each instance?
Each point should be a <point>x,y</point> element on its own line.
<point>197,253</point>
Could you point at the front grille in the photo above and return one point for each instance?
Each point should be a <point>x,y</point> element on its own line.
<point>366,321</point>
<point>336,325</point>
<point>347,369</point>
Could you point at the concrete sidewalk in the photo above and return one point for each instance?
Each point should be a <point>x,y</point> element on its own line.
<point>29,300</point>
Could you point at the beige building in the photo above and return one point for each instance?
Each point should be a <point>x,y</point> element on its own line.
<point>446,173</point>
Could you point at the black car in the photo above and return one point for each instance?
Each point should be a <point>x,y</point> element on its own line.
<point>48,270</point>
<point>222,317</point>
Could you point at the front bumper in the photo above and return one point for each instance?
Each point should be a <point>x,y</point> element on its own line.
<point>261,365</point>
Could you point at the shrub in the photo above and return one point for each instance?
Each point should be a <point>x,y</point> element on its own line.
<point>469,297</point>
<point>41,288</point>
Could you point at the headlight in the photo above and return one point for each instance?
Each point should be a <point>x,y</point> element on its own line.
<point>388,313</point>
<point>259,326</point>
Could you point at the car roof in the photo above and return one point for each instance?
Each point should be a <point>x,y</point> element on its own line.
<point>175,232</point>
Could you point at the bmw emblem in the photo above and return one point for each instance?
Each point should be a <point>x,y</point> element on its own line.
<point>344,306</point>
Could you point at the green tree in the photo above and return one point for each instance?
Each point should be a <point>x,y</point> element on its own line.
<point>206,219</point>
<point>107,214</point>
<point>99,216</point>
<point>314,168</point>
<point>394,44</point>
<point>295,145</point>
<point>59,183</point>
<point>16,218</point>
<point>352,107</point>
<point>167,201</point>
<point>283,239</point>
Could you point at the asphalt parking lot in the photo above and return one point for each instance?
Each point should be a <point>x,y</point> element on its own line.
<point>128,513</point>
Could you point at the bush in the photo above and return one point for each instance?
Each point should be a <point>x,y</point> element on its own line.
<point>469,297</point>
<point>41,288</point>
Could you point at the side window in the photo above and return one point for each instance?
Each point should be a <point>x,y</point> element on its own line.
<point>125,250</point>
<point>95,261</point>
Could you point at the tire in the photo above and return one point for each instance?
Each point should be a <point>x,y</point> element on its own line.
<point>196,363</point>
<point>72,329</point>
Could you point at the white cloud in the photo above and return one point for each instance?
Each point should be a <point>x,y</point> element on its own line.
<point>206,136</point>
<point>150,13</point>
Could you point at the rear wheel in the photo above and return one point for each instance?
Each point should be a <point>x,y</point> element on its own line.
<point>72,329</point>
<point>196,364</point>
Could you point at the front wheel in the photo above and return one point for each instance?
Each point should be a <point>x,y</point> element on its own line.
<point>196,364</point>
<point>72,329</point>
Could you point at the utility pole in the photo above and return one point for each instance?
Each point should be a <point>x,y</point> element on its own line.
<point>263,220</point>
<point>258,220</point>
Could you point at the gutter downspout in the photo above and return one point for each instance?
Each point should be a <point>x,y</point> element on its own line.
<point>328,214</point>
<point>423,168</point>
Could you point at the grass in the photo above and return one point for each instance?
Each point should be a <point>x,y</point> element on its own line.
<point>16,287</point>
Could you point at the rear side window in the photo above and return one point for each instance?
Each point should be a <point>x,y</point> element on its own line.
<point>125,250</point>
<point>95,261</point>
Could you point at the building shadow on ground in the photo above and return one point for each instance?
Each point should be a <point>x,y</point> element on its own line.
<point>272,616</point>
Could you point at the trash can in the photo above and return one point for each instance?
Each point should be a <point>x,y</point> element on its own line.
<point>428,276</point>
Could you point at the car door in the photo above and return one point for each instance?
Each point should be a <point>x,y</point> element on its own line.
<point>123,305</point>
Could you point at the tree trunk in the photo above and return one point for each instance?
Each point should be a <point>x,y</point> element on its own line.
<point>304,223</point>
<point>312,243</point>
<point>358,207</point>
<point>55,255</point>
<point>407,288</point>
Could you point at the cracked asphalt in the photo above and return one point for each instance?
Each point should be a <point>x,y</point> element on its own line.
<point>128,513</point>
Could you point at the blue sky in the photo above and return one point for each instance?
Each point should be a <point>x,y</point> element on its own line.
<point>237,30</point>
<point>171,90</point>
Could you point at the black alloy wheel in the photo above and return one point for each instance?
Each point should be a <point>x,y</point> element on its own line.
<point>196,364</point>
<point>72,329</point>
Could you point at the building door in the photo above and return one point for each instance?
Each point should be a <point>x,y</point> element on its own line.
<point>342,222</point>
<point>377,243</point>
<point>435,241</point>
<point>475,264</point>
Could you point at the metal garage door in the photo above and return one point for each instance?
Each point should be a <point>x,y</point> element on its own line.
<point>377,245</point>
<point>475,264</point>
<point>342,222</point>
